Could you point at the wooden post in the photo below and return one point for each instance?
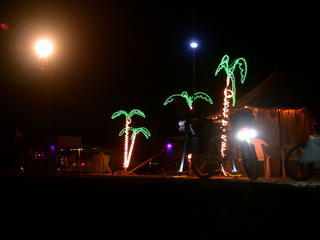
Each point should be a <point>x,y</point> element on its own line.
<point>105,163</point>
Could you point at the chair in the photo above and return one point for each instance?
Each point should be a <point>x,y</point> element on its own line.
<point>266,153</point>
<point>285,148</point>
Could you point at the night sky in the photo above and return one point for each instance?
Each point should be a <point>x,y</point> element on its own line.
<point>121,55</point>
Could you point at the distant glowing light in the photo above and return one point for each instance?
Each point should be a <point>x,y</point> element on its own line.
<point>169,145</point>
<point>4,26</point>
<point>75,149</point>
<point>194,45</point>
<point>190,99</point>
<point>44,48</point>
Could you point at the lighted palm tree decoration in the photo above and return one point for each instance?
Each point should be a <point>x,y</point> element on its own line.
<point>127,154</point>
<point>241,62</point>
<point>189,99</point>
<point>230,92</point>
<point>135,132</point>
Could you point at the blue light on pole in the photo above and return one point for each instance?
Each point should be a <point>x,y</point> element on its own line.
<point>194,45</point>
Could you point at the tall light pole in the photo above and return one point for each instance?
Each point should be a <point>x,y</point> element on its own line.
<point>194,45</point>
<point>40,121</point>
<point>41,112</point>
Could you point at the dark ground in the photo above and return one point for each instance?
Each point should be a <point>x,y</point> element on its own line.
<point>60,206</point>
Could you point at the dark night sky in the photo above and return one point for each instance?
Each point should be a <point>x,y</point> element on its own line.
<point>112,55</point>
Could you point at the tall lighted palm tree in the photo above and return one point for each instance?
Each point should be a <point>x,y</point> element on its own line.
<point>224,64</point>
<point>230,91</point>
<point>126,131</point>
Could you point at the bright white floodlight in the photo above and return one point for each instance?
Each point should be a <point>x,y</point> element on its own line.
<point>246,133</point>
<point>194,45</point>
<point>44,48</point>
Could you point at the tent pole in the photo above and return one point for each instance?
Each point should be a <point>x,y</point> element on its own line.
<point>280,135</point>
<point>105,163</point>
<point>280,142</point>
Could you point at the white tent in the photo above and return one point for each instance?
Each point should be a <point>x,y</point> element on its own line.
<point>281,113</point>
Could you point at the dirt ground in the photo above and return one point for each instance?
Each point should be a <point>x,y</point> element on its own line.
<point>73,206</point>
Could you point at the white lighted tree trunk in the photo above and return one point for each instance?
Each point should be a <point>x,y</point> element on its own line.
<point>127,154</point>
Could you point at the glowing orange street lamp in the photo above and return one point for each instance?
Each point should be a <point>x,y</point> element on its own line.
<point>43,48</point>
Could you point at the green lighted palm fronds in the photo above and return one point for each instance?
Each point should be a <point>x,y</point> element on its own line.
<point>189,99</point>
<point>224,64</point>
<point>128,115</point>
<point>143,130</point>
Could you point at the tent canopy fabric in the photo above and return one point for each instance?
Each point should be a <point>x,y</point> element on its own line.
<point>281,108</point>
<point>280,90</point>
<point>295,125</point>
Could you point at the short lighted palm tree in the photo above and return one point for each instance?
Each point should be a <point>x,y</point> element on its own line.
<point>189,99</point>
<point>135,132</point>
<point>127,153</point>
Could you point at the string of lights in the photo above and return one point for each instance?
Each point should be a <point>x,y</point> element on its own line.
<point>136,131</point>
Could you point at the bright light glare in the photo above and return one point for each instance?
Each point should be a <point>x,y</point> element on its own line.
<point>246,133</point>
<point>169,145</point>
<point>194,45</point>
<point>44,48</point>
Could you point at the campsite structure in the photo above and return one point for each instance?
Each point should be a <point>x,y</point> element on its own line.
<point>280,114</point>
<point>283,117</point>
